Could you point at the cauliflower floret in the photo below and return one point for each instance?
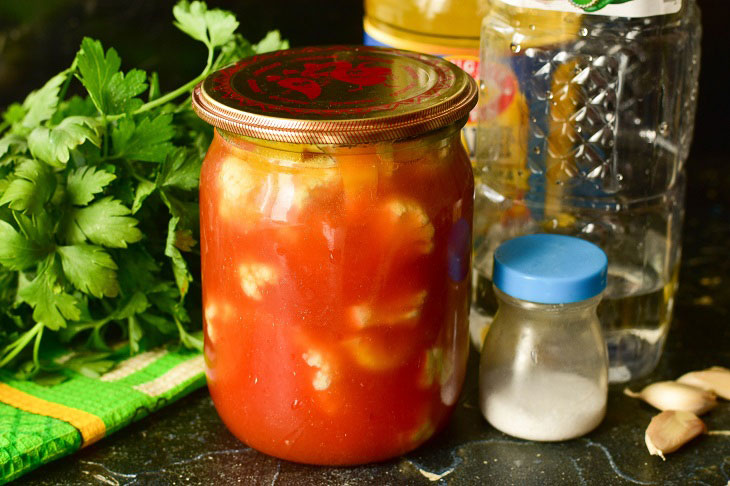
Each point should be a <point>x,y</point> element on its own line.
<point>291,192</point>
<point>423,432</point>
<point>402,311</point>
<point>433,365</point>
<point>306,183</point>
<point>236,182</point>
<point>413,221</point>
<point>215,314</point>
<point>361,315</point>
<point>211,311</point>
<point>377,354</point>
<point>323,377</point>
<point>249,191</point>
<point>256,276</point>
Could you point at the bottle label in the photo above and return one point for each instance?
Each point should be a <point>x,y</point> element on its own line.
<point>466,59</point>
<point>609,8</point>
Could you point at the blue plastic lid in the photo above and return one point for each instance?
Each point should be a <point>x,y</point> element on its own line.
<point>550,269</point>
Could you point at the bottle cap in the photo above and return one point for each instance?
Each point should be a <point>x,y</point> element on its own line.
<point>550,269</point>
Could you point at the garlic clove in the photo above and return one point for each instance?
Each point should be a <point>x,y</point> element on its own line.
<point>670,395</point>
<point>670,430</point>
<point>715,379</point>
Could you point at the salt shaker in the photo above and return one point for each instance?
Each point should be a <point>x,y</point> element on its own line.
<point>544,366</point>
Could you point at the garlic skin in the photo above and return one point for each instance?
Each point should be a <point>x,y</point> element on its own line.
<point>670,395</point>
<point>670,430</point>
<point>715,379</point>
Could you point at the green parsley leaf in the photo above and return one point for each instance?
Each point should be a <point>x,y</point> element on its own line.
<point>91,364</point>
<point>14,114</point>
<point>184,240</point>
<point>75,106</point>
<point>221,26</point>
<point>179,266</point>
<point>144,190</point>
<point>12,140</point>
<point>238,47</point>
<point>8,286</point>
<point>52,145</point>
<point>138,270</point>
<point>148,140</point>
<point>39,228</point>
<point>187,211</point>
<point>52,306</point>
<point>40,105</point>
<point>105,222</point>
<point>111,90</point>
<point>82,184</point>
<point>163,324</point>
<point>190,340</point>
<point>31,189</point>
<point>96,68</point>
<point>90,269</point>
<point>212,27</point>
<point>271,42</point>
<point>97,73</point>
<point>16,251</point>
<point>136,304</point>
<point>135,333</point>
<point>123,90</point>
<point>235,49</point>
<point>180,169</point>
<point>191,19</point>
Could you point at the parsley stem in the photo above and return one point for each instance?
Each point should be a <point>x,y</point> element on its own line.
<point>17,346</point>
<point>179,91</point>
<point>105,136</point>
<point>36,347</point>
<point>134,172</point>
<point>70,71</point>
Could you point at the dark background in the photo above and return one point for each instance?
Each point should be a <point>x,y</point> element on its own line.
<point>186,442</point>
<point>38,38</point>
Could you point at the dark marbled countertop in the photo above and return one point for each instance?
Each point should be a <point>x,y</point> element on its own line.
<point>186,443</point>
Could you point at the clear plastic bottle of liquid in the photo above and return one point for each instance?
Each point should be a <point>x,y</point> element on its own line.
<point>586,116</point>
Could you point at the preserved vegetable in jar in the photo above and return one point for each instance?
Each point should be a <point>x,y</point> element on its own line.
<point>335,212</point>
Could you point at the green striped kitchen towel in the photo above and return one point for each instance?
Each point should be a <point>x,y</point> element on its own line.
<point>39,424</point>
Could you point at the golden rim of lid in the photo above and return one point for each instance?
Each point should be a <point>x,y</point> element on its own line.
<point>335,95</point>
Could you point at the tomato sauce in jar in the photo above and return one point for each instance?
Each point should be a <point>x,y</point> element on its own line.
<point>336,213</point>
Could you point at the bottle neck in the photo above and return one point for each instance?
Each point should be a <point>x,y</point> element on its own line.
<point>509,303</point>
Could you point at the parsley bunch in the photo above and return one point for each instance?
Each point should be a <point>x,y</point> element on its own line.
<point>99,207</point>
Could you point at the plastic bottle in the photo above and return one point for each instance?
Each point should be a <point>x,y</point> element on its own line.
<point>609,94</point>
<point>445,28</point>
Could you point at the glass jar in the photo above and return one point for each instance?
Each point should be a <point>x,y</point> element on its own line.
<point>335,213</point>
<point>544,369</point>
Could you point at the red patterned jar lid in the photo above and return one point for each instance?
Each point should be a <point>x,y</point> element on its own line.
<point>335,94</point>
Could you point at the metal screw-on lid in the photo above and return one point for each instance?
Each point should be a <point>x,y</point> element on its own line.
<point>550,269</point>
<point>336,94</point>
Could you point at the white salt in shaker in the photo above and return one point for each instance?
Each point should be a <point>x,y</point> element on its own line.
<point>544,366</point>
